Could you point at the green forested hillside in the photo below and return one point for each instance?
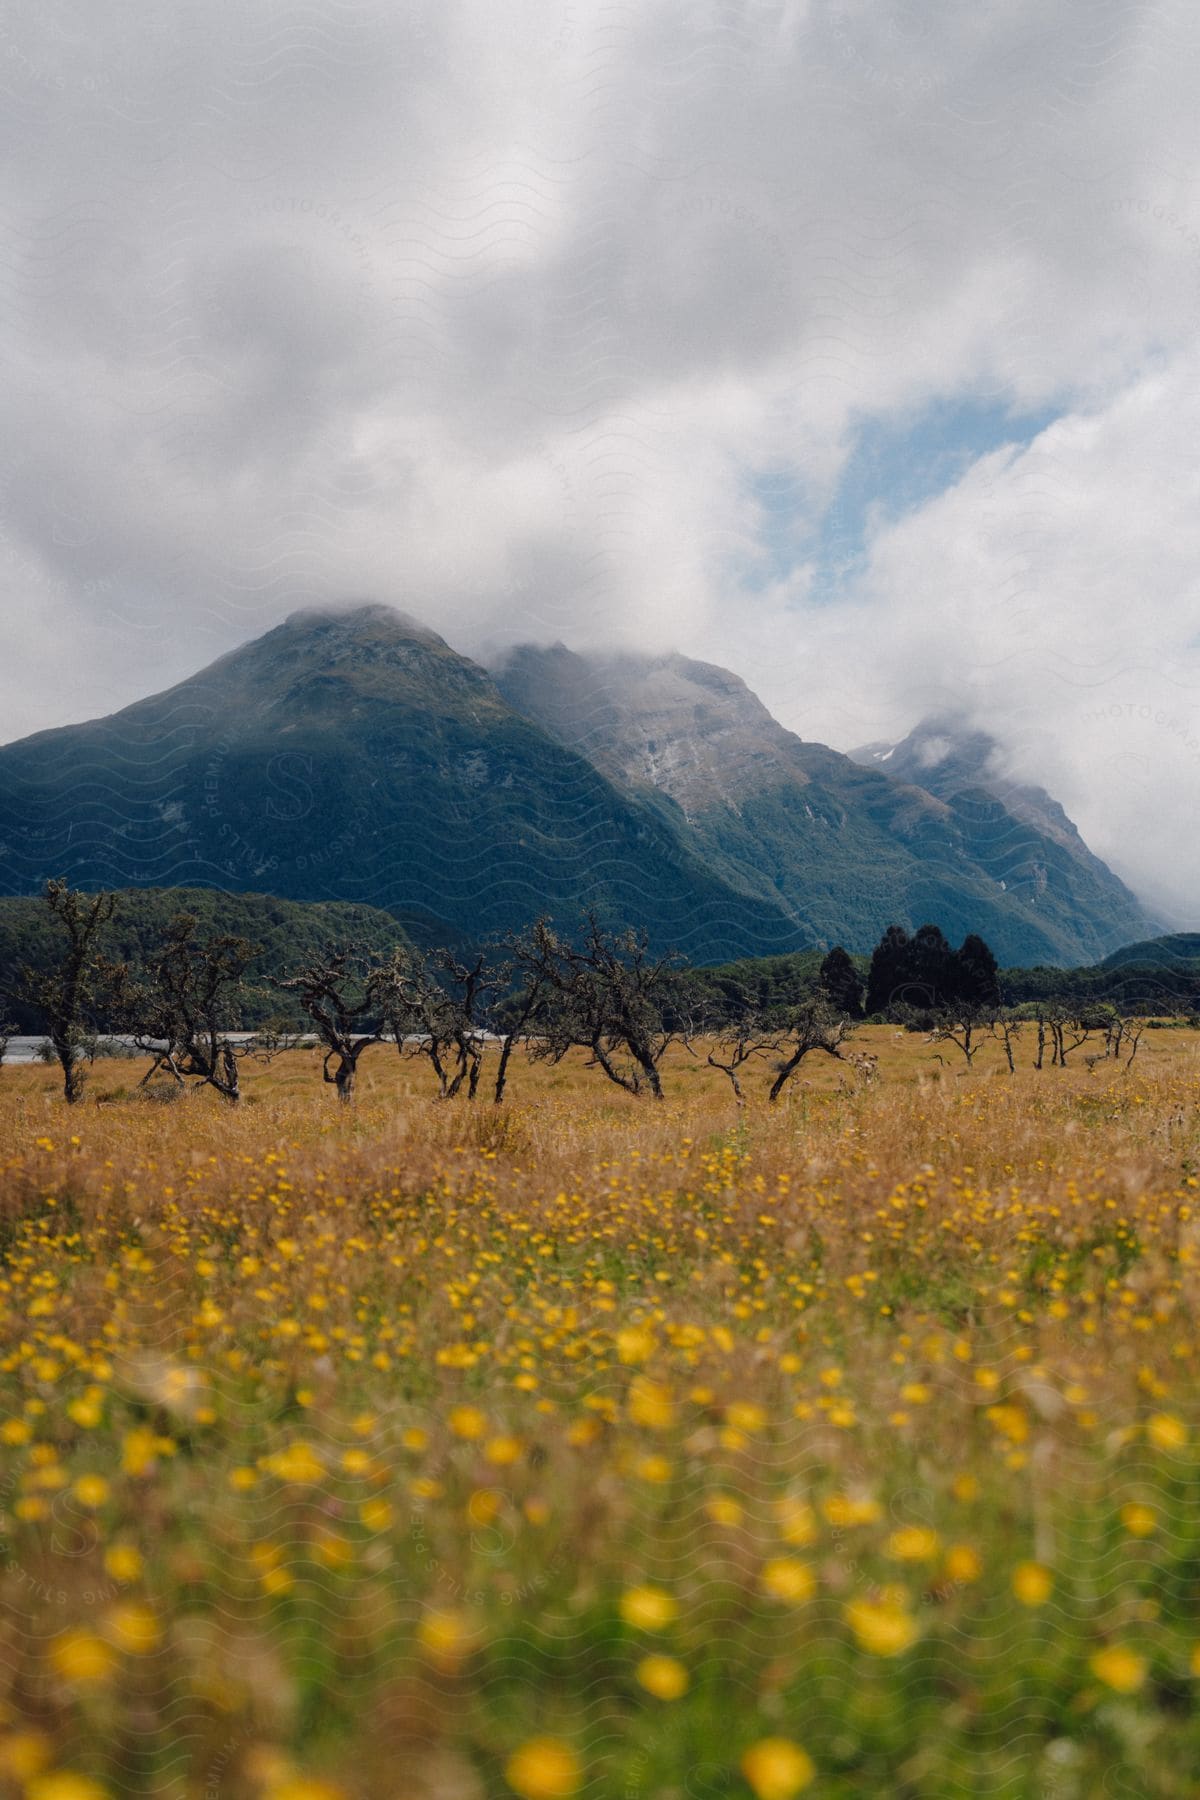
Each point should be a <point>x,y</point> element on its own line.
<point>289,932</point>
<point>1180,950</point>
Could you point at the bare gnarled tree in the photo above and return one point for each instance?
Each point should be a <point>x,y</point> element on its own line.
<point>440,1009</point>
<point>739,1044</point>
<point>184,1014</point>
<point>607,995</point>
<point>69,995</point>
<point>812,1025</point>
<point>345,996</point>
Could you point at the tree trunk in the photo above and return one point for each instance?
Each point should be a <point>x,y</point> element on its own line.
<point>74,1079</point>
<point>434,1054</point>
<point>729,1070</point>
<point>450,1090</point>
<point>506,1050</point>
<point>643,1056</point>
<point>344,1081</point>
<point>793,1063</point>
<point>227,1081</point>
<point>610,1069</point>
<point>652,1077</point>
<point>785,1074</point>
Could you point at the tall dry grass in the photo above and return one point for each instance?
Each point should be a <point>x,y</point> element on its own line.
<point>587,1445</point>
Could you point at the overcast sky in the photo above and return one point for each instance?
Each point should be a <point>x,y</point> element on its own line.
<point>853,345</point>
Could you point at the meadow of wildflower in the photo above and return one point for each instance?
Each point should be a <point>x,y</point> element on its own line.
<point>593,1446</point>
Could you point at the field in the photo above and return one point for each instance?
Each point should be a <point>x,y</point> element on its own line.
<point>588,1446</point>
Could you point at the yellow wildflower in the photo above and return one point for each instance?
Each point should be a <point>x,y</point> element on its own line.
<point>963,1563</point>
<point>649,1608</point>
<point>1138,1519</point>
<point>1119,1668</point>
<point>883,1627</point>
<point>25,1754</point>
<point>303,1787</point>
<point>786,1578</point>
<point>1166,1432</point>
<point>913,1543</point>
<point>467,1422</point>
<point>843,1510</point>
<point>447,1637</point>
<point>745,1415</point>
<point>650,1404</point>
<point>298,1464</point>
<point>82,1658</point>
<point>91,1490</point>
<point>545,1768</point>
<point>776,1768</point>
<point>135,1629</point>
<point>64,1784</point>
<point>634,1344</point>
<point>1032,1583</point>
<point>663,1677</point>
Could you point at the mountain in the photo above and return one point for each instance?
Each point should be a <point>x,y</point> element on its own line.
<point>1019,834</point>
<point>842,846</point>
<point>354,756</point>
<point>948,758</point>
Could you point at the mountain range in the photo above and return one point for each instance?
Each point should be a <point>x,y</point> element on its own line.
<point>843,844</point>
<point>352,755</point>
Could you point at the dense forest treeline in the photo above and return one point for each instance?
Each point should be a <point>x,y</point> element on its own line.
<point>1160,975</point>
<point>170,974</point>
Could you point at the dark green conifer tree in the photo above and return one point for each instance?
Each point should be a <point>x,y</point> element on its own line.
<point>886,976</point>
<point>978,976</point>
<point>841,983</point>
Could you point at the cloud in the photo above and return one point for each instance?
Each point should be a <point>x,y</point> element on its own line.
<point>1053,597</point>
<point>518,316</point>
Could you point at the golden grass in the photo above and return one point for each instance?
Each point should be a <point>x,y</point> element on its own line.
<point>588,1445</point>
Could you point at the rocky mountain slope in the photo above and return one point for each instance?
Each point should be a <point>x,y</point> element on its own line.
<point>845,848</point>
<point>1021,834</point>
<point>949,758</point>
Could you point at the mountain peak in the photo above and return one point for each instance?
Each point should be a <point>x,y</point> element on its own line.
<point>965,767</point>
<point>941,741</point>
<point>325,657</point>
<point>689,729</point>
<point>365,618</point>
